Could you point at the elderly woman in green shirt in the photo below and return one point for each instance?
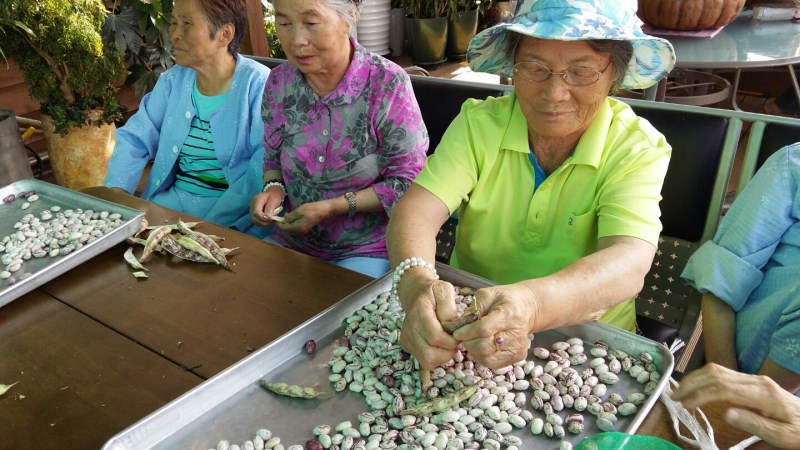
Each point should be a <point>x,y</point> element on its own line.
<point>556,186</point>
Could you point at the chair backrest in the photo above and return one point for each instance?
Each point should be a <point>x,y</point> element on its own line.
<point>440,101</point>
<point>267,61</point>
<point>695,169</point>
<point>703,149</point>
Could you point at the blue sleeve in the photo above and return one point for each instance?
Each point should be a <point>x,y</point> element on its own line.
<point>730,266</point>
<point>137,141</point>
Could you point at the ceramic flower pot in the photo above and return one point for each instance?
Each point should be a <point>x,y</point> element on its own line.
<point>459,33</point>
<point>428,39</point>
<point>80,158</point>
<point>397,31</point>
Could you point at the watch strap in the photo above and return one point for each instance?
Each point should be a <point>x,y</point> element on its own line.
<point>351,203</point>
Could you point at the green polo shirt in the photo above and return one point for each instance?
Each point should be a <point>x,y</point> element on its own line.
<point>610,186</point>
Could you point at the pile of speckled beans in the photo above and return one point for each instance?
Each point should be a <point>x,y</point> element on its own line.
<point>369,360</point>
<point>53,233</point>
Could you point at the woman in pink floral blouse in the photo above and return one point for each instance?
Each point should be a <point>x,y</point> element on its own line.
<point>343,137</point>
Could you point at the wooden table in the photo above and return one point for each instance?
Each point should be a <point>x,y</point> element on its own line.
<point>79,381</point>
<point>201,316</point>
<point>96,350</point>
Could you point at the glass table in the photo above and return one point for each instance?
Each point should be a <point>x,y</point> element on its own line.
<point>742,44</point>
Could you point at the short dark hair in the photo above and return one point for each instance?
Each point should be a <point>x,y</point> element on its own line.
<point>221,12</point>
<point>621,53</point>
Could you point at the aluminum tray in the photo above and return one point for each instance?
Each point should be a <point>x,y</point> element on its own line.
<point>45,269</point>
<point>232,406</point>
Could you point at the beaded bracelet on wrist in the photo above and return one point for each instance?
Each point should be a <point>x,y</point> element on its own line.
<point>274,183</point>
<point>401,268</point>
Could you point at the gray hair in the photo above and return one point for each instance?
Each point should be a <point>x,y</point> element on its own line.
<point>348,9</point>
<point>621,53</point>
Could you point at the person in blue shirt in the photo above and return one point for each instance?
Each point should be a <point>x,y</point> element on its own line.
<point>748,275</point>
<point>201,125</point>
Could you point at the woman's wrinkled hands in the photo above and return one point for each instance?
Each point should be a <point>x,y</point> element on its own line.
<point>500,336</point>
<point>760,405</point>
<point>427,303</point>
<point>264,205</point>
<point>305,217</point>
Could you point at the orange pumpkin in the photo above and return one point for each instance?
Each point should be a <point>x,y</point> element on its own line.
<point>689,15</point>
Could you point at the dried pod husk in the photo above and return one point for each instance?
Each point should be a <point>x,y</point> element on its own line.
<point>442,403</point>
<point>171,245</point>
<point>217,254</point>
<point>189,243</point>
<point>466,319</point>
<point>130,259</point>
<point>293,390</point>
<point>5,387</point>
<point>153,239</point>
<point>142,228</point>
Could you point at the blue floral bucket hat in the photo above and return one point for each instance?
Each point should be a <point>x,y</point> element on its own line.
<point>575,20</point>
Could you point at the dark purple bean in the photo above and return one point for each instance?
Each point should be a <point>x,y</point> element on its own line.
<point>344,341</point>
<point>311,346</point>
<point>313,444</point>
<point>9,198</point>
<point>388,380</point>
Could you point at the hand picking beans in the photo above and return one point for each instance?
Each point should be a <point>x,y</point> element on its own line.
<point>468,405</point>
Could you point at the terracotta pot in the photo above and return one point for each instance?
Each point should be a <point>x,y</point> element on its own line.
<point>80,158</point>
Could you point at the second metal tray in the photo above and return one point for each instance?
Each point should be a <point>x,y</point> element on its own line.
<point>232,405</point>
<point>44,269</point>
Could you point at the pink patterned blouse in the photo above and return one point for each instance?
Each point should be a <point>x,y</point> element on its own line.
<point>367,132</point>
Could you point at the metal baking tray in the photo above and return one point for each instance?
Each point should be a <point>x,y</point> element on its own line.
<point>45,269</point>
<point>232,406</point>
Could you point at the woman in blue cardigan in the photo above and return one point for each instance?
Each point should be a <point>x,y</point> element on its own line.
<point>201,125</point>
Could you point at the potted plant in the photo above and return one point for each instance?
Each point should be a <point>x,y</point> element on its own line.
<point>275,49</point>
<point>462,26</point>
<point>397,29</point>
<point>426,24</point>
<point>73,76</point>
<point>139,29</point>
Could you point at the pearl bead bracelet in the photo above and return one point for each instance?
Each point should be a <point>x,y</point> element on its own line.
<point>274,183</point>
<point>408,263</point>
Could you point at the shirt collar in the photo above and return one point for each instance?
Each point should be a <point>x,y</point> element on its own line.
<point>355,78</point>
<point>516,136</point>
<point>592,143</point>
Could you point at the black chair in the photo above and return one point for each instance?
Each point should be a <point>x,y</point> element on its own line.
<point>267,61</point>
<point>440,101</point>
<point>703,149</point>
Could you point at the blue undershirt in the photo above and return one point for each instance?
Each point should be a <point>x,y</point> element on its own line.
<point>539,175</point>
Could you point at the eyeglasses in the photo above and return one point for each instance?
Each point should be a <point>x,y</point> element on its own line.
<point>574,76</point>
